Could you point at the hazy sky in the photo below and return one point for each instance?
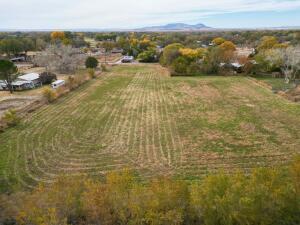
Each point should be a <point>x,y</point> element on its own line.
<point>72,14</point>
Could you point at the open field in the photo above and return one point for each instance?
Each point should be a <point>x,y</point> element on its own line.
<point>139,117</point>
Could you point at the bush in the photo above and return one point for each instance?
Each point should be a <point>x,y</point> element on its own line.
<point>103,67</point>
<point>49,95</point>
<point>91,62</point>
<point>180,66</point>
<point>62,90</point>
<point>47,77</point>
<point>91,73</point>
<point>71,83</point>
<point>11,118</point>
<point>193,68</point>
<point>265,196</point>
<point>148,56</point>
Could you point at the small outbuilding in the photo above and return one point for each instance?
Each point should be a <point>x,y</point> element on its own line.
<point>31,77</point>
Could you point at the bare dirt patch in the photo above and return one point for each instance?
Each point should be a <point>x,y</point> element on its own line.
<point>16,103</point>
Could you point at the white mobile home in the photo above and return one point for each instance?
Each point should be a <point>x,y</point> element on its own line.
<point>57,84</point>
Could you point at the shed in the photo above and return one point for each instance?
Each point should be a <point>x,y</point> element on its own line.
<point>31,77</point>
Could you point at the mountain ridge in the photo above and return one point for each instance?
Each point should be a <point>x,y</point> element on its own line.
<point>175,27</point>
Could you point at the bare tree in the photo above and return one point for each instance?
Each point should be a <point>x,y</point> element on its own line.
<point>60,58</point>
<point>288,59</point>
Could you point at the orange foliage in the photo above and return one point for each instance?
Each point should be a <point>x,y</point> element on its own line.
<point>57,35</point>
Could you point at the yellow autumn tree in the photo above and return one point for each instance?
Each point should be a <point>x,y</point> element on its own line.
<point>192,53</point>
<point>228,46</point>
<point>267,42</point>
<point>58,35</point>
<point>218,41</point>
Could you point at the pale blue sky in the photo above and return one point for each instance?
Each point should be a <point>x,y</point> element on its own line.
<point>72,14</point>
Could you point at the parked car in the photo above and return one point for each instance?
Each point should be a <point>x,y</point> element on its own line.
<point>127,59</point>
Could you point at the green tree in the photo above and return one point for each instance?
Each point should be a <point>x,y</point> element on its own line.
<point>91,62</point>
<point>212,60</point>
<point>28,45</point>
<point>11,46</point>
<point>148,56</point>
<point>170,53</point>
<point>180,65</point>
<point>108,47</point>
<point>7,72</point>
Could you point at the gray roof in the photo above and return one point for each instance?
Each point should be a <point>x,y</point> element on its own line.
<point>19,83</point>
<point>29,77</point>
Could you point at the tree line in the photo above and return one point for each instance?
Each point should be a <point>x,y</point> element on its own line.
<point>13,44</point>
<point>266,196</point>
<point>269,56</point>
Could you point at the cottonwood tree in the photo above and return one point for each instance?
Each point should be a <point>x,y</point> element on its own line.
<point>59,58</point>
<point>108,47</point>
<point>288,59</point>
<point>267,42</point>
<point>170,53</point>
<point>11,46</point>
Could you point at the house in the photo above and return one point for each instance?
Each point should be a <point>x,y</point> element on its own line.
<point>22,85</point>
<point>117,50</point>
<point>31,77</point>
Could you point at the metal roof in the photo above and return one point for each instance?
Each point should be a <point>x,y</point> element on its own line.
<point>29,76</point>
<point>19,82</point>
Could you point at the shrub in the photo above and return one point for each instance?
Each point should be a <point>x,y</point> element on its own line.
<point>193,68</point>
<point>49,95</point>
<point>47,77</point>
<point>265,196</point>
<point>148,56</point>
<point>91,73</point>
<point>71,83</point>
<point>11,118</point>
<point>62,90</point>
<point>91,62</point>
<point>180,66</point>
<point>103,67</point>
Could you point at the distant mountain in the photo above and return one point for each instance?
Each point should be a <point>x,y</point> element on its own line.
<point>176,27</point>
